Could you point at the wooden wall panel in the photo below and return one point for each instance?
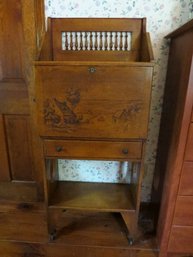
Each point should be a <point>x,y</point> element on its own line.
<point>4,164</point>
<point>11,39</point>
<point>14,98</point>
<point>13,93</point>
<point>18,191</point>
<point>40,23</point>
<point>21,28</point>
<point>21,32</point>
<point>19,146</point>
<point>33,33</point>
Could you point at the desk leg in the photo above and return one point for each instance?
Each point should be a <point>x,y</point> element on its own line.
<point>131,224</point>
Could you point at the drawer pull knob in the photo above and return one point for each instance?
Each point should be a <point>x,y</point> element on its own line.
<point>125,151</point>
<point>58,149</point>
<point>92,69</point>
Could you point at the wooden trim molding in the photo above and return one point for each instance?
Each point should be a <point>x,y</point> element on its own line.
<point>4,162</point>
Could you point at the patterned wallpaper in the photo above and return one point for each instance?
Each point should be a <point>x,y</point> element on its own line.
<point>163,16</point>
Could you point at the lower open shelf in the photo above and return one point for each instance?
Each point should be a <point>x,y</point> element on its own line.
<point>104,197</point>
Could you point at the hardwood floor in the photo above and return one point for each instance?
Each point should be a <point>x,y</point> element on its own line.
<point>23,232</point>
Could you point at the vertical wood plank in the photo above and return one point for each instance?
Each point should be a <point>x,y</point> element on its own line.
<point>4,163</point>
<point>39,22</point>
<point>12,39</point>
<point>30,13</point>
<point>19,144</point>
<point>1,39</point>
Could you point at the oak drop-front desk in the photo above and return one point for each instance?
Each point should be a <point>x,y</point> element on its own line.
<point>92,96</point>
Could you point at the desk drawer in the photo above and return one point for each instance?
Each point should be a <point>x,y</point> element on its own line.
<point>92,149</point>
<point>181,240</point>
<point>186,181</point>
<point>189,145</point>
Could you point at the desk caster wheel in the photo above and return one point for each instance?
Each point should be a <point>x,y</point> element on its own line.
<point>130,240</point>
<point>52,235</point>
